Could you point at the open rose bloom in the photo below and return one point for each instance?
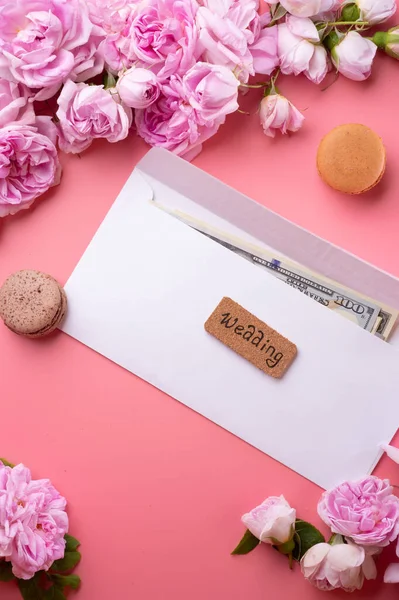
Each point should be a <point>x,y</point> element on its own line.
<point>365,511</point>
<point>33,522</point>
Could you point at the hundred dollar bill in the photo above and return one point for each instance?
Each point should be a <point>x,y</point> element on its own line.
<point>366,312</point>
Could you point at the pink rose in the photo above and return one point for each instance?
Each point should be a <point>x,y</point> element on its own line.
<point>37,41</point>
<point>88,60</point>
<point>138,88</point>
<point>353,56</point>
<point>33,521</point>
<point>277,113</point>
<point>164,36</point>
<point>272,522</point>
<point>14,105</point>
<point>87,112</point>
<point>173,124</point>
<point>226,29</point>
<point>365,511</point>
<point>338,566</point>
<point>28,167</point>
<point>309,8</point>
<point>300,50</point>
<point>264,51</point>
<point>212,91</point>
<point>110,15</point>
<point>117,48</point>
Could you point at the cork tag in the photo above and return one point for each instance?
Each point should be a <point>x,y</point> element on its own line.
<point>251,338</point>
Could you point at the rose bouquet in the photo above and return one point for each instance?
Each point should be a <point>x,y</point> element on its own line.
<point>35,548</point>
<point>363,517</point>
<point>167,70</point>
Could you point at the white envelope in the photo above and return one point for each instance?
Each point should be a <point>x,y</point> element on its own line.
<point>147,283</point>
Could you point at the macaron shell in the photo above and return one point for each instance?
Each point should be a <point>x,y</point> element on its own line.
<point>57,320</point>
<point>351,158</point>
<point>30,302</point>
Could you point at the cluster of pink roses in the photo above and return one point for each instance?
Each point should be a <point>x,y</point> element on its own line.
<point>363,517</point>
<point>172,70</point>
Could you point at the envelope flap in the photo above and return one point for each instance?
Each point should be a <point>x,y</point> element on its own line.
<point>269,227</point>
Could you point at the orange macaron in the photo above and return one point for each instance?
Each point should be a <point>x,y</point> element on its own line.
<point>351,158</point>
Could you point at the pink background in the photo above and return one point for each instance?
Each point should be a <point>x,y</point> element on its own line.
<point>156,491</point>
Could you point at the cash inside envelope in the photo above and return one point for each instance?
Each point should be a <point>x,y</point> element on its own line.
<point>368,313</point>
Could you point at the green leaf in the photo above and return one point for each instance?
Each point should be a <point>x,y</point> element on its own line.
<point>72,581</point>
<point>54,593</point>
<point>30,589</point>
<point>247,544</point>
<point>6,571</point>
<point>67,563</point>
<point>71,543</point>
<point>306,536</point>
<point>6,463</point>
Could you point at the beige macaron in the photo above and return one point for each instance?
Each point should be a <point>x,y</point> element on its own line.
<point>351,158</point>
<point>32,304</point>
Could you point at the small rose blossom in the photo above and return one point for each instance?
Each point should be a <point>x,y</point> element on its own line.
<point>87,112</point>
<point>172,123</point>
<point>110,15</point>
<point>138,88</point>
<point>365,511</point>
<point>338,566</point>
<point>14,105</point>
<point>212,91</point>
<point>278,114</point>
<point>309,8</point>
<point>225,34</point>
<point>37,41</point>
<point>33,521</point>
<point>376,11</point>
<point>28,167</point>
<point>353,56</point>
<point>272,522</point>
<point>300,50</point>
<point>164,37</point>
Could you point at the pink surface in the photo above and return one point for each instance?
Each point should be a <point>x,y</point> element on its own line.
<point>155,491</point>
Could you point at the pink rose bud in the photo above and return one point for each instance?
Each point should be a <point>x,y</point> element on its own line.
<point>138,88</point>
<point>388,41</point>
<point>272,522</point>
<point>352,55</point>
<point>277,113</point>
<point>371,11</point>
<point>338,566</point>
